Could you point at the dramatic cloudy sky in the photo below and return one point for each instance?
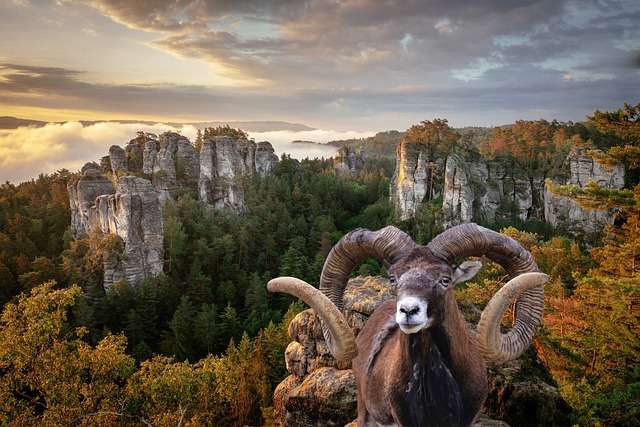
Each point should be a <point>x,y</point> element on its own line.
<point>353,65</point>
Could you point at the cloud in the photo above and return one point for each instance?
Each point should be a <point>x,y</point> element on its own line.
<point>27,152</point>
<point>289,45</point>
<point>282,141</point>
<point>355,64</point>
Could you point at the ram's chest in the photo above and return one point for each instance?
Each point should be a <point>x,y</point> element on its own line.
<point>429,395</point>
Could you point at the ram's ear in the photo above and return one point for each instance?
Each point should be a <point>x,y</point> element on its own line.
<point>465,271</point>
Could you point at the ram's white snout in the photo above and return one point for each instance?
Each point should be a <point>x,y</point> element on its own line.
<point>411,315</point>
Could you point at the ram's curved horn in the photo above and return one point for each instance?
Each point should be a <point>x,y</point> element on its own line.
<point>472,240</point>
<point>492,343</point>
<point>344,341</point>
<point>387,244</point>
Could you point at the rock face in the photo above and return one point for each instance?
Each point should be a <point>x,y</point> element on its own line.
<point>522,393</point>
<point>265,158</point>
<point>146,178</point>
<point>567,214</point>
<point>221,169</point>
<point>349,161</point>
<point>133,213</point>
<point>257,157</point>
<point>414,181</point>
<point>476,189</point>
<point>83,193</point>
<point>176,166</point>
<point>321,392</point>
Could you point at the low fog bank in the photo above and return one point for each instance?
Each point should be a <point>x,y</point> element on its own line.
<point>27,152</point>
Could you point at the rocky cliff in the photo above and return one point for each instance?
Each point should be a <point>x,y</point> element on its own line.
<point>476,189</point>
<point>127,199</point>
<point>566,213</point>
<point>415,179</point>
<point>321,392</point>
<point>223,162</point>
<point>134,214</point>
<point>83,192</point>
<point>487,192</point>
<point>349,161</point>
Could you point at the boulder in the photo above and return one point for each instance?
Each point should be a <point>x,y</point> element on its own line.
<point>523,393</point>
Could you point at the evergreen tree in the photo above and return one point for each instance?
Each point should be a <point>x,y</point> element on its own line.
<point>206,327</point>
<point>178,340</point>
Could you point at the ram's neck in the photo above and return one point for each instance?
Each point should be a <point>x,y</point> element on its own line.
<point>457,332</point>
<point>431,393</point>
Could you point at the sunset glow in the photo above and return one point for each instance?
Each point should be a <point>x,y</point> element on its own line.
<point>362,66</point>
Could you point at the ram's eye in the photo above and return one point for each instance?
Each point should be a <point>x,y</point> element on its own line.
<point>445,281</point>
<point>392,279</point>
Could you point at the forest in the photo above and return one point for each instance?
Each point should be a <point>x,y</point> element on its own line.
<point>203,343</point>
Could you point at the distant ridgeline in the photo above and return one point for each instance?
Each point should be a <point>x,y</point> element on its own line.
<point>149,173</point>
<point>121,200</point>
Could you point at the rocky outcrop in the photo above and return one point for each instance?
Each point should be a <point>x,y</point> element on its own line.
<point>566,214</point>
<point>522,393</point>
<point>475,189</point>
<point>302,399</point>
<point>148,178</point>
<point>150,156</point>
<point>265,158</point>
<point>257,157</point>
<point>176,167</point>
<point>487,192</point>
<point>223,163</point>
<point>221,169</point>
<point>349,161</point>
<point>415,180</point>
<point>134,214</point>
<point>83,192</point>
<point>118,158</point>
<point>321,391</point>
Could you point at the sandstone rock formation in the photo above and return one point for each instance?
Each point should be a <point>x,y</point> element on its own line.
<point>118,158</point>
<point>476,189</point>
<point>414,181</point>
<point>257,157</point>
<point>566,214</point>
<point>220,172</point>
<point>321,391</point>
<point>349,161</point>
<point>83,192</point>
<point>176,166</point>
<point>133,213</point>
<point>148,178</point>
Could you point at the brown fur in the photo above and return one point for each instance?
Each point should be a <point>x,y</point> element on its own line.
<point>382,393</point>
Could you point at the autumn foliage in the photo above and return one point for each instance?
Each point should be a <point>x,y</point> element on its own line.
<point>203,344</point>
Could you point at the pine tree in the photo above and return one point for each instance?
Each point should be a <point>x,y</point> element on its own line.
<point>178,340</point>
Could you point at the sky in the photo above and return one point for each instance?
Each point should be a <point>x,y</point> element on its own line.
<point>351,67</point>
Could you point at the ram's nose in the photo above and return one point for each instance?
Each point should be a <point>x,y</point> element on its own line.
<point>409,309</point>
